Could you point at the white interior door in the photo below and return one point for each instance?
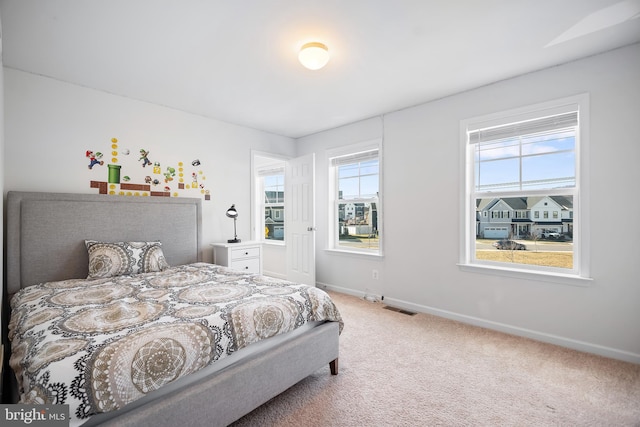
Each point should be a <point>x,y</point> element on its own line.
<point>300,219</point>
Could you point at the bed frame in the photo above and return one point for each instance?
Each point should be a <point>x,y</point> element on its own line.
<point>45,241</point>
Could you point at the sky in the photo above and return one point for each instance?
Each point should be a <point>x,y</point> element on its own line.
<point>534,162</point>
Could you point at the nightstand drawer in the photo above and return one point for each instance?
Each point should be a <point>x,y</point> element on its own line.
<point>250,265</point>
<point>245,253</point>
<point>245,256</point>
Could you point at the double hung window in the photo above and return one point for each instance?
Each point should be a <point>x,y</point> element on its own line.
<point>269,176</point>
<point>273,189</point>
<point>525,189</point>
<point>355,200</point>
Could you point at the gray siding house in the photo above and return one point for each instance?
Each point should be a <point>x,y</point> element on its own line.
<point>524,217</point>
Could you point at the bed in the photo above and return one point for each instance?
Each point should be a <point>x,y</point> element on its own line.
<point>215,372</point>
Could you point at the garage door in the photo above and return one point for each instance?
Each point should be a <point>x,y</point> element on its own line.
<point>496,232</point>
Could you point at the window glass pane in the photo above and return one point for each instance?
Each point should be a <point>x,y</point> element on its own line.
<point>498,175</point>
<point>274,222</point>
<point>271,183</point>
<point>274,197</point>
<point>555,170</point>
<point>495,150</point>
<point>358,225</point>
<point>348,170</point>
<point>369,167</point>
<point>369,186</point>
<point>528,162</point>
<point>349,188</point>
<point>274,188</point>
<point>270,197</point>
<point>526,238</point>
<point>355,196</point>
<point>358,180</point>
<point>548,143</point>
<point>272,180</point>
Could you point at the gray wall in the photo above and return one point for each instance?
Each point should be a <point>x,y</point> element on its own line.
<point>422,181</point>
<point>50,124</point>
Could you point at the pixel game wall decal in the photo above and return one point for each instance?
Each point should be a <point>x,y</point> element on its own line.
<point>142,176</point>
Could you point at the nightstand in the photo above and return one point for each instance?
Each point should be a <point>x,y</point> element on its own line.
<point>244,256</point>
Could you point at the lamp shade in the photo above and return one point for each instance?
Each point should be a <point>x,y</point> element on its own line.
<point>232,212</point>
<point>314,55</point>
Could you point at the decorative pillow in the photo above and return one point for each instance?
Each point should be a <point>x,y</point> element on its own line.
<point>119,258</point>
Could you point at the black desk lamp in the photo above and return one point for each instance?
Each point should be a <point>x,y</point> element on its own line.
<point>233,213</point>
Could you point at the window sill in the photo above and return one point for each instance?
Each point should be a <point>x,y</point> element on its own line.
<point>273,242</point>
<point>353,253</point>
<point>563,279</point>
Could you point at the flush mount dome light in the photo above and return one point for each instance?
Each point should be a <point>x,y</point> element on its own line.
<point>314,55</point>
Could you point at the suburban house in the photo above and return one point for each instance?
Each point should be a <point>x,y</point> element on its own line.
<point>274,215</point>
<point>358,218</point>
<point>524,217</point>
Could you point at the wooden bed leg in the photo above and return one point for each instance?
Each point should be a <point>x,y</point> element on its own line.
<point>333,365</point>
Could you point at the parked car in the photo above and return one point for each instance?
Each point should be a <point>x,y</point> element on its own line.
<point>510,245</point>
<point>551,235</point>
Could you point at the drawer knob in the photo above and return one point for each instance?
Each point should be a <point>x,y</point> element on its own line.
<point>246,268</point>
<point>246,253</point>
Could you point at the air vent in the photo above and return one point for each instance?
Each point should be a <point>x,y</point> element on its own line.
<point>399,310</point>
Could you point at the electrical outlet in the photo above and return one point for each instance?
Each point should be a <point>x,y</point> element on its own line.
<point>374,274</point>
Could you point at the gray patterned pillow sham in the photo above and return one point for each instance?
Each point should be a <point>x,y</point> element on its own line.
<point>120,258</point>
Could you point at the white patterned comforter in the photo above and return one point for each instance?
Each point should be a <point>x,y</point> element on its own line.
<point>100,344</point>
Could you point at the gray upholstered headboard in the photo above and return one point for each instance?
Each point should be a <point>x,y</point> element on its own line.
<point>46,231</point>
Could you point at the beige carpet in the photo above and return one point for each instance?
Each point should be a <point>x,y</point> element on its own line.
<point>422,370</point>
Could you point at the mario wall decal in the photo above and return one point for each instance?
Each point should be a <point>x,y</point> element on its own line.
<point>137,182</point>
<point>94,158</point>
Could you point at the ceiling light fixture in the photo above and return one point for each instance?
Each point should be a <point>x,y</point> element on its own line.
<point>314,55</point>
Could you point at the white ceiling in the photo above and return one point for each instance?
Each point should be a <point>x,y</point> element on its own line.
<point>236,61</point>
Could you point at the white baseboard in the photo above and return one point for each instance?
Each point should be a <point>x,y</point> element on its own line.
<point>586,347</point>
<point>340,289</point>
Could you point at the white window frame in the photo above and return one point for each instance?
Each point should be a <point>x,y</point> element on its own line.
<point>333,243</point>
<point>258,171</point>
<point>580,274</point>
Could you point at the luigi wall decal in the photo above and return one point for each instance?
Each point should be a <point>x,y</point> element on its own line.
<point>144,156</point>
